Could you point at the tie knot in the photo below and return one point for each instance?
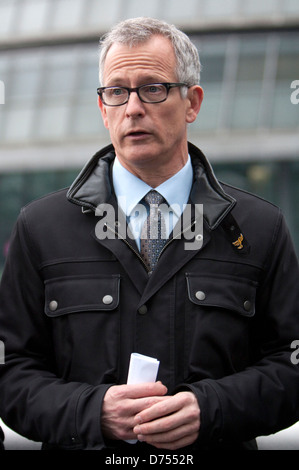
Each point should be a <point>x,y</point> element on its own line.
<point>153,197</point>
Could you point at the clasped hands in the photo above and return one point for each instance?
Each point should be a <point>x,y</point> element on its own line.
<point>145,412</point>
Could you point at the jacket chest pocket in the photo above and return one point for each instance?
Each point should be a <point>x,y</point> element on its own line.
<point>75,294</point>
<point>85,319</point>
<point>218,324</point>
<point>224,292</point>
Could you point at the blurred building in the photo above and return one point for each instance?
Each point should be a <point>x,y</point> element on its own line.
<point>50,124</point>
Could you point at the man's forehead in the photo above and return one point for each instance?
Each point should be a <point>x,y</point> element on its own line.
<point>155,55</point>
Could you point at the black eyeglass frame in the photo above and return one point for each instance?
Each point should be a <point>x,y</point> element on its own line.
<point>167,86</point>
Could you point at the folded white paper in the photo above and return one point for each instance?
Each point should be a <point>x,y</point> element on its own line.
<point>142,369</point>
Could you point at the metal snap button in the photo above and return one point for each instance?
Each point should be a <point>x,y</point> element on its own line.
<point>142,310</point>
<point>107,299</point>
<point>200,295</point>
<point>247,305</point>
<point>53,305</point>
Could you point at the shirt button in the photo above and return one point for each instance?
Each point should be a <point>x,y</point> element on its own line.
<point>107,299</point>
<point>53,305</point>
<point>142,310</point>
<point>247,305</point>
<point>200,295</point>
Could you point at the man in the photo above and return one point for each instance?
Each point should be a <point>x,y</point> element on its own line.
<point>81,293</point>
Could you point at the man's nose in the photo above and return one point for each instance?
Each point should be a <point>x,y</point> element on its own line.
<point>134,106</point>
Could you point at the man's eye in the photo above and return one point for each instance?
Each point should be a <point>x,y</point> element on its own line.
<point>117,92</point>
<point>153,89</point>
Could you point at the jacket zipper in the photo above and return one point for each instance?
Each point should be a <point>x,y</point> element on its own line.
<point>128,244</point>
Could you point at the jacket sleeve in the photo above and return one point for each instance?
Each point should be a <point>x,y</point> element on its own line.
<point>263,398</point>
<point>34,401</point>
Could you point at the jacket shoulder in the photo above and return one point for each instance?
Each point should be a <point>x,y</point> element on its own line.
<point>51,205</point>
<point>242,195</point>
<point>261,222</point>
<point>47,200</point>
<point>46,212</point>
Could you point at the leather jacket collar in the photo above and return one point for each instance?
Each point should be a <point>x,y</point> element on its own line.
<point>93,186</point>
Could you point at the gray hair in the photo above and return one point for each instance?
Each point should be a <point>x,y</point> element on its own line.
<point>136,31</point>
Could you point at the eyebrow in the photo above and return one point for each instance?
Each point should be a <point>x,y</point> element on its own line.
<point>144,81</point>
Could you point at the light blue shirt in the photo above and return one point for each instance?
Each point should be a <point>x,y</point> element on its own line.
<point>130,190</point>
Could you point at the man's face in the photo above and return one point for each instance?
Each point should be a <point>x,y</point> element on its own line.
<point>147,135</point>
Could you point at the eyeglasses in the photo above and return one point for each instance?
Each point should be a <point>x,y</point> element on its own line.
<point>151,93</point>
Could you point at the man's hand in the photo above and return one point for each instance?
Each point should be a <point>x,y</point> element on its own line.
<point>169,424</point>
<point>123,402</point>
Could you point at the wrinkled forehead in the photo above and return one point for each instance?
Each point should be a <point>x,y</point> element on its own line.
<point>153,57</point>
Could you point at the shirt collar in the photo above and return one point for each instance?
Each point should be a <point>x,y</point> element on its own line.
<point>129,189</point>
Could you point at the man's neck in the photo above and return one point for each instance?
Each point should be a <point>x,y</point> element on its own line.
<point>155,176</point>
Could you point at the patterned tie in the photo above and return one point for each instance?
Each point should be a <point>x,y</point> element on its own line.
<point>153,233</point>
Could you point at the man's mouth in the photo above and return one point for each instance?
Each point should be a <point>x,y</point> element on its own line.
<point>137,134</point>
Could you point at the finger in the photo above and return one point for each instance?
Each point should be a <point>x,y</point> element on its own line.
<point>184,413</point>
<point>171,444</point>
<point>171,434</point>
<point>138,390</point>
<point>118,418</point>
<point>185,401</point>
<point>159,409</point>
<point>139,404</point>
<point>160,425</point>
<point>134,406</point>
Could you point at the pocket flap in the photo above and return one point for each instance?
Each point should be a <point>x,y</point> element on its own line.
<point>81,294</point>
<point>227,292</point>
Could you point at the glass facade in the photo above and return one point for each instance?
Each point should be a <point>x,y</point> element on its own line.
<point>50,92</point>
<point>42,17</point>
<point>246,79</point>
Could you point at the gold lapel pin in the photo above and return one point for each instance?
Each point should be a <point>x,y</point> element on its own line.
<point>238,243</point>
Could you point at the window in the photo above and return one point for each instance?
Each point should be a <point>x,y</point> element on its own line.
<point>67,14</point>
<point>34,15</point>
<point>136,8</point>
<point>219,9</point>
<point>102,13</point>
<point>24,76</point>
<point>249,81</point>
<point>257,8</point>
<point>178,11</point>
<point>284,113</point>
<point>290,6</point>
<point>7,16</point>
<point>212,56</point>
<point>18,123</point>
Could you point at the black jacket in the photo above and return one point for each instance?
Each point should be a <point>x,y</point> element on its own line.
<point>221,319</point>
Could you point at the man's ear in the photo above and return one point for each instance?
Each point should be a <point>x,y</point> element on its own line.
<point>103,112</point>
<point>195,97</point>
